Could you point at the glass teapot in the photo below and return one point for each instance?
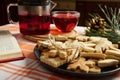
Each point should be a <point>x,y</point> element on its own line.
<point>34,16</point>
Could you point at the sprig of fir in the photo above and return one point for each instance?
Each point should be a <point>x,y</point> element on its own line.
<point>111,27</point>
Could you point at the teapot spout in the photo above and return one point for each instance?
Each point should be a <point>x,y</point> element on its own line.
<point>53,5</point>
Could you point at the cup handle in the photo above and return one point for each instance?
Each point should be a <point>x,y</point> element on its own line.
<point>8,12</point>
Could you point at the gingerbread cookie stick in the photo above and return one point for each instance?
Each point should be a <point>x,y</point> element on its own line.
<point>93,55</point>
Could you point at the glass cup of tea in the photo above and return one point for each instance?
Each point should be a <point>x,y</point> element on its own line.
<point>65,21</point>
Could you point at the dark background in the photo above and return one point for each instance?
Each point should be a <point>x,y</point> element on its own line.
<point>83,6</point>
<point>3,11</point>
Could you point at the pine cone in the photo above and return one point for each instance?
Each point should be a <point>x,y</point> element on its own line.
<point>97,24</point>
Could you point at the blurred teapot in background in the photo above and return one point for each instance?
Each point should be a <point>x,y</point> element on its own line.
<point>34,16</point>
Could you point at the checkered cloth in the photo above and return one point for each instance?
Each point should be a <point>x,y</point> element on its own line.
<point>26,69</point>
<point>29,68</point>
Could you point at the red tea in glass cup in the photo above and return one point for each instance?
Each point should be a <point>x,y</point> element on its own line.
<point>65,21</point>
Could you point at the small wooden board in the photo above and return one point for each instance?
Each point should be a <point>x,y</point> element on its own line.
<point>35,38</point>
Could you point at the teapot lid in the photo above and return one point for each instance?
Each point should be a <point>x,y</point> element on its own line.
<point>34,2</point>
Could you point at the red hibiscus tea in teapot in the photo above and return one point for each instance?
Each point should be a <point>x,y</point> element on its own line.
<point>65,21</point>
<point>34,24</point>
<point>34,16</point>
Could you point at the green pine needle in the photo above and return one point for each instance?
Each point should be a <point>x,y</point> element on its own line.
<point>112,32</point>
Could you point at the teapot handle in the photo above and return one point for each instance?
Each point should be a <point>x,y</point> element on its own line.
<point>53,5</point>
<point>8,12</point>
